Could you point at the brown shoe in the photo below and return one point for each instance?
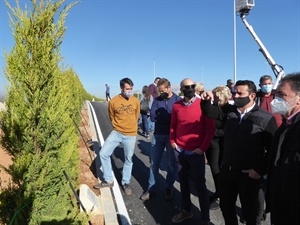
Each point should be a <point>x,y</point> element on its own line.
<point>147,195</point>
<point>127,189</point>
<point>104,184</point>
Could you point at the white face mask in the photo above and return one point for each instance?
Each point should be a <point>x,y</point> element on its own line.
<point>279,105</point>
<point>128,93</point>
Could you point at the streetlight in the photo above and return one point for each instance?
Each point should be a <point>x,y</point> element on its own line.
<point>234,41</point>
<point>154,69</point>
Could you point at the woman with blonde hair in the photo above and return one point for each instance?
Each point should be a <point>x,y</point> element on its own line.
<point>199,89</point>
<point>222,95</point>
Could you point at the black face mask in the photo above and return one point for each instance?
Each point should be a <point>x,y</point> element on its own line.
<point>241,102</point>
<point>164,95</point>
<point>189,93</point>
<point>216,102</point>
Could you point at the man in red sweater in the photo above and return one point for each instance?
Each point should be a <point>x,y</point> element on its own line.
<point>191,133</point>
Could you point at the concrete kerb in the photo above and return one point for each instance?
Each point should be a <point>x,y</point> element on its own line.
<point>111,199</point>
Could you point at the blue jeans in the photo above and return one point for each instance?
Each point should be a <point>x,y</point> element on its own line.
<point>145,126</point>
<point>151,124</point>
<point>159,144</point>
<point>112,141</point>
<point>193,166</point>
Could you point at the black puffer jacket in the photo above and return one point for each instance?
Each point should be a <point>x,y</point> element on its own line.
<point>283,189</point>
<point>246,141</point>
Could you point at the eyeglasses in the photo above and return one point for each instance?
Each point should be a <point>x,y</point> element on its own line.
<point>189,86</point>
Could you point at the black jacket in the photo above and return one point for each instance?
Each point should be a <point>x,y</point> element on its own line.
<point>246,142</point>
<point>283,183</point>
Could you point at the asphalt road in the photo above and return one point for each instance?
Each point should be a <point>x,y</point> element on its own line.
<point>157,210</point>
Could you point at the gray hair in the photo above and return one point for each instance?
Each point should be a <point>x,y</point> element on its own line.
<point>264,77</point>
<point>294,80</point>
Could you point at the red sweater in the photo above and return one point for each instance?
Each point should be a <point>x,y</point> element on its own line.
<point>265,103</point>
<point>190,128</point>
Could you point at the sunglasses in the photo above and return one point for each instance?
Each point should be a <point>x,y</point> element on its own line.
<point>189,86</point>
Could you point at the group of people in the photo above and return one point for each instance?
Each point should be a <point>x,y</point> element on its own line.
<point>251,145</point>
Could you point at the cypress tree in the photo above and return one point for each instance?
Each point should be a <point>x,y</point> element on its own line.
<point>38,126</point>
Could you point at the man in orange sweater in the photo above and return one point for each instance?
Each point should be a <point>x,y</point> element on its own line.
<point>124,111</point>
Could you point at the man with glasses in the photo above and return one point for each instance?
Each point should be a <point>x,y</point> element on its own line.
<point>283,189</point>
<point>248,132</point>
<point>160,113</point>
<point>190,135</point>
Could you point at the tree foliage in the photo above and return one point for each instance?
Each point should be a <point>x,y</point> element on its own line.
<point>38,126</point>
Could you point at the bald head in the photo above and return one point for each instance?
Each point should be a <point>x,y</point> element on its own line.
<point>186,81</point>
<point>187,86</point>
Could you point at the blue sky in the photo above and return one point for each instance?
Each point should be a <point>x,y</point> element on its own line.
<point>108,40</point>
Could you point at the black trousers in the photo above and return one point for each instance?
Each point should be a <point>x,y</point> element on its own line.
<point>107,96</point>
<point>193,166</point>
<point>214,158</point>
<point>235,183</point>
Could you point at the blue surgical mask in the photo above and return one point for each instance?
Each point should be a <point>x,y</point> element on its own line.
<point>266,88</point>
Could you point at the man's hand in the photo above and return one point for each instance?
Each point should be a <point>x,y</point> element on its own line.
<point>174,146</point>
<point>207,95</point>
<point>252,173</point>
<point>198,151</point>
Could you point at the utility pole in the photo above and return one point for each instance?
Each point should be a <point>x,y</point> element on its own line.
<point>234,41</point>
<point>154,69</point>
